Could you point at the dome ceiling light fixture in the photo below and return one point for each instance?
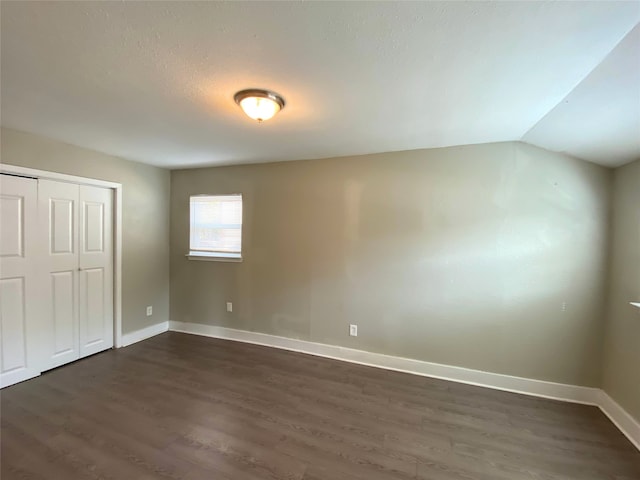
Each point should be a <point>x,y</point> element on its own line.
<point>259,104</point>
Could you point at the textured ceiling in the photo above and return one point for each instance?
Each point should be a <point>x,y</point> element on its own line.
<point>154,82</point>
<point>600,119</point>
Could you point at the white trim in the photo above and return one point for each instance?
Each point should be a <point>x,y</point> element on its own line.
<point>620,418</point>
<point>117,259</point>
<point>60,177</point>
<point>117,214</point>
<point>214,257</point>
<point>144,333</point>
<point>527,386</point>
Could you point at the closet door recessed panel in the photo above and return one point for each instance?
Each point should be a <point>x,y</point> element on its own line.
<point>61,225</point>
<point>11,234</point>
<point>64,305</point>
<point>95,303</point>
<point>94,231</point>
<point>13,322</point>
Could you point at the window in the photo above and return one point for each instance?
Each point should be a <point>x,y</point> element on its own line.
<point>215,227</point>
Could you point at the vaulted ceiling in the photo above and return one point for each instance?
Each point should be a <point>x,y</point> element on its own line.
<point>154,82</point>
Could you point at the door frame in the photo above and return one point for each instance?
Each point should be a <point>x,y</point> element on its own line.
<point>117,229</point>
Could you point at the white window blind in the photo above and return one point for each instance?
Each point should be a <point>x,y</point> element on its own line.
<point>216,224</point>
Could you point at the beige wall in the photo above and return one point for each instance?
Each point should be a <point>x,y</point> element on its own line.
<point>145,241</point>
<point>491,257</point>
<point>621,378</point>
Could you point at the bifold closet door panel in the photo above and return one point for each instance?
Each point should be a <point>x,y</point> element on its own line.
<point>96,269</point>
<point>58,219</point>
<point>19,316</point>
<point>56,274</point>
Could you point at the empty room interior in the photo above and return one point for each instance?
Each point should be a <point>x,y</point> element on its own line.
<point>320,240</point>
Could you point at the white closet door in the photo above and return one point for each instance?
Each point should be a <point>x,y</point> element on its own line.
<point>18,280</point>
<point>96,270</point>
<point>58,219</point>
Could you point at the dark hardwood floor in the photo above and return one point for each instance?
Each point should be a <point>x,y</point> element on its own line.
<point>186,407</point>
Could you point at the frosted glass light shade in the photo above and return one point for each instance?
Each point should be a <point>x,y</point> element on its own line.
<point>259,109</point>
<point>260,105</point>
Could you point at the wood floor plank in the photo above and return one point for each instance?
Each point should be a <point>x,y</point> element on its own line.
<point>184,407</point>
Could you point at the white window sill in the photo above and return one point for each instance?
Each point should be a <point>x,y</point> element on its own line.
<point>214,257</point>
<point>635,304</point>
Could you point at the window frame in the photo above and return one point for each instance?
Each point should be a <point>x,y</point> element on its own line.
<point>212,255</point>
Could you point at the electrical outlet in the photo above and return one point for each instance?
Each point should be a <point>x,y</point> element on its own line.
<point>353,330</point>
<point>149,311</point>
<point>229,307</point>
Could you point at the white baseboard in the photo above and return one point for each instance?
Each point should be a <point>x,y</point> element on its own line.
<point>527,386</point>
<point>620,418</point>
<point>144,333</point>
<point>496,381</point>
